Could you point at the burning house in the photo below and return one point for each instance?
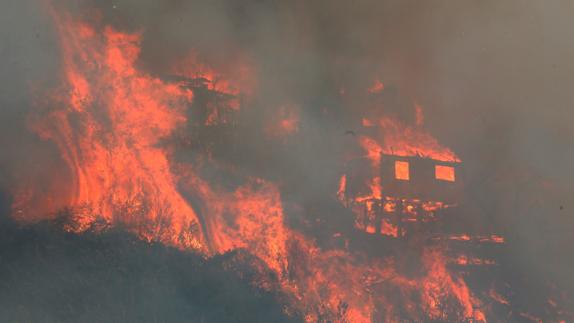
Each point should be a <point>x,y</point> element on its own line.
<point>412,189</point>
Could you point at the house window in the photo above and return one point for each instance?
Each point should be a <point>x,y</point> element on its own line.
<point>402,170</point>
<point>444,173</point>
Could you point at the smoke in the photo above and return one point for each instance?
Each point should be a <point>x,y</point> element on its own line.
<point>493,77</point>
<point>29,65</point>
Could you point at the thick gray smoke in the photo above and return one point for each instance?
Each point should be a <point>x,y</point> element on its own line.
<point>494,79</point>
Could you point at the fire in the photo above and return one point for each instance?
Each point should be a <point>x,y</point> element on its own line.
<point>377,87</point>
<point>440,281</point>
<point>445,173</point>
<point>373,150</point>
<point>342,187</point>
<point>399,140</point>
<point>379,211</point>
<point>284,123</point>
<point>419,115</point>
<point>229,91</point>
<point>109,125</point>
<point>403,140</point>
<point>242,81</point>
<point>236,219</point>
<point>488,239</point>
<point>497,297</point>
<point>402,170</point>
<point>389,229</point>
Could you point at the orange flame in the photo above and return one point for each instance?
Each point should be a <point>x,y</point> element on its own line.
<point>285,123</point>
<point>402,140</point>
<point>108,128</point>
<point>376,87</point>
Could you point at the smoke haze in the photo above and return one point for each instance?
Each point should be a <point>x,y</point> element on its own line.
<point>494,79</point>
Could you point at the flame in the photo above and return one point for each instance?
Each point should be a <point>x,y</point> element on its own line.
<point>108,127</point>
<point>397,139</point>
<point>377,209</point>
<point>373,150</point>
<point>376,87</point>
<point>497,239</point>
<point>243,81</point>
<point>419,115</point>
<point>402,170</point>
<point>285,122</point>
<point>230,90</point>
<point>497,297</point>
<point>400,139</point>
<point>109,124</point>
<point>464,260</point>
<point>237,220</point>
<point>389,229</point>
<point>445,173</point>
<point>342,188</point>
<point>376,188</point>
<point>440,281</point>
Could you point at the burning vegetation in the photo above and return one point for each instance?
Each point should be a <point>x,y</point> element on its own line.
<point>157,154</point>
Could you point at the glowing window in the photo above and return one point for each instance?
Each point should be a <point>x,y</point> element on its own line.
<point>444,173</point>
<point>402,170</point>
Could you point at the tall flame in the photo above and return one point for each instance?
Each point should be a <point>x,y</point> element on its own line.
<point>403,140</point>
<point>108,129</point>
<point>109,125</point>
